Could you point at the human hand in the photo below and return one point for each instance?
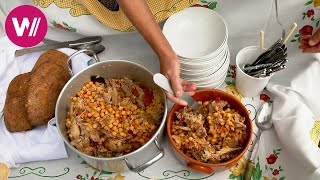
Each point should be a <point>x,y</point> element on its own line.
<point>170,67</point>
<point>310,43</point>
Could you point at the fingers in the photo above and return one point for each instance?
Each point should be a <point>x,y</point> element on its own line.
<point>315,38</point>
<point>191,93</point>
<point>313,49</point>
<point>178,90</point>
<point>304,46</point>
<point>305,37</point>
<point>175,99</point>
<point>304,41</point>
<point>188,86</point>
<point>176,85</point>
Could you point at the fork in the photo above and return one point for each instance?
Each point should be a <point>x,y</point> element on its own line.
<point>277,15</point>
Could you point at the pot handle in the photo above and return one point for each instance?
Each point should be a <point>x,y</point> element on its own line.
<point>148,163</point>
<point>200,168</point>
<point>95,57</point>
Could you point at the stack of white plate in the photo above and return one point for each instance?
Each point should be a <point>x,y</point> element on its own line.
<point>199,37</point>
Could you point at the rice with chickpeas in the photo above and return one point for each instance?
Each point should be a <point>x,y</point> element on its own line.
<point>215,135</point>
<point>113,117</point>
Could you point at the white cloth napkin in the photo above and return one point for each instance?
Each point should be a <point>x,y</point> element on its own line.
<point>41,143</point>
<point>295,110</point>
<point>2,22</point>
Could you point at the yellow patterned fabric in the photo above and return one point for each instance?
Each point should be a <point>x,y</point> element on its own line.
<point>161,9</point>
<point>315,132</point>
<point>4,171</point>
<point>76,8</point>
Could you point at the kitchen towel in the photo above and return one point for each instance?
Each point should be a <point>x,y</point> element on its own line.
<point>296,109</point>
<point>41,143</point>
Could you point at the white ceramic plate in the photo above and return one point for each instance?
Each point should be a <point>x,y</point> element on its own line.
<point>198,62</point>
<point>195,32</point>
<point>189,69</point>
<point>201,73</point>
<point>215,77</point>
<point>211,86</point>
<point>204,65</point>
<point>206,58</point>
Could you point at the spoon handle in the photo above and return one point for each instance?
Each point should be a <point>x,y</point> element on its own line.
<point>254,144</point>
<point>163,82</point>
<point>250,165</point>
<point>249,170</point>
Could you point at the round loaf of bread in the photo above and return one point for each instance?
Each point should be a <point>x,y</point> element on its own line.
<point>52,56</point>
<point>45,85</point>
<point>15,113</point>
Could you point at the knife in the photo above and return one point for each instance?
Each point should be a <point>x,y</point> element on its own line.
<point>97,48</point>
<point>70,44</point>
<point>165,84</point>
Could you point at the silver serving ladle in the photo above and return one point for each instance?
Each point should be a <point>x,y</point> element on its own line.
<point>263,122</point>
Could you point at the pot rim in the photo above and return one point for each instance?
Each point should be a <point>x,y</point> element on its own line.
<point>161,126</point>
<point>231,161</point>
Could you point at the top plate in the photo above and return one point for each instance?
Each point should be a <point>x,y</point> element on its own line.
<point>195,32</point>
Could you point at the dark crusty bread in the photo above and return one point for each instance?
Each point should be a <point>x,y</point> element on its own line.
<point>52,56</point>
<point>15,113</point>
<point>45,85</point>
<point>31,97</point>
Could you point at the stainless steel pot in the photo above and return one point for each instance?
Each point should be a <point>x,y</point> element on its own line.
<point>135,161</point>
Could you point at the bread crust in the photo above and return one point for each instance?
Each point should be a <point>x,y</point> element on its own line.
<point>45,85</point>
<point>52,56</point>
<point>31,97</point>
<point>15,113</point>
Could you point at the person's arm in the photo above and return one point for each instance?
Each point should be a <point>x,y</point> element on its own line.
<point>139,13</point>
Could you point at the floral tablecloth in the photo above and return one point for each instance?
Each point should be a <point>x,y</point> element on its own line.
<point>245,19</point>
<point>167,168</point>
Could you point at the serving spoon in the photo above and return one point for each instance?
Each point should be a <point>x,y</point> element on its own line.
<point>165,84</point>
<point>263,122</point>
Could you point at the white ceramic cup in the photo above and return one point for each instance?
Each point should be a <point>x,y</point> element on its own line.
<point>246,85</point>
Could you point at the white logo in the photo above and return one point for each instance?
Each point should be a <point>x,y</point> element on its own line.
<point>25,25</point>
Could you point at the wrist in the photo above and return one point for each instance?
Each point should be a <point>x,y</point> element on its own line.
<point>167,55</point>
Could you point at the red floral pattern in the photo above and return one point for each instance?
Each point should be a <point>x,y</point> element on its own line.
<point>306,30</point>
<point>311,19</point>
<point>232,72</point>
<point>207,4</point>
<point>271,167</point>
<point>310,13</point>
<point>272,159</point>
<point>63,26</point>
<point>275,172</point>
<point>199,5</point>
<point>264,97</point>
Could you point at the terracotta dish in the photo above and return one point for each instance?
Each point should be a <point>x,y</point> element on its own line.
<point>205,95</point>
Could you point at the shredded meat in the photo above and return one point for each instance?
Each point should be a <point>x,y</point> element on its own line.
<point>113,117</point>
<point>214,136</point>
<point>220,104</point>
<point>192,118</point>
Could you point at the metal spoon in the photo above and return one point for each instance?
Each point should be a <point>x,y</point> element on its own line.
<point>165,84</point>
<point>97,48</point>
<point>263,122</point>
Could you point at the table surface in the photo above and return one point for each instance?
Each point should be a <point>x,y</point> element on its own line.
<point>245,19</point>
